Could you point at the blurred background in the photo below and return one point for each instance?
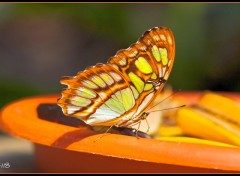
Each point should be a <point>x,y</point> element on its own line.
<point>39,43</point>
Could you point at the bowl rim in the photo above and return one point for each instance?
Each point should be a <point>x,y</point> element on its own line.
<point>19,119</point>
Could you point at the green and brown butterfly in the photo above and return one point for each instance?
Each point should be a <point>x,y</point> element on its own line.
<point>118,93</point>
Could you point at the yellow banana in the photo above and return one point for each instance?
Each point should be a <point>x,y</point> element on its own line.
<point>194,140</point>
<point>214,117</point>
<point>218,104</point>
<point>170,131</point>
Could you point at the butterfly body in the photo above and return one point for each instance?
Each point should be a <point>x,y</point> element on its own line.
<point>118,92</point>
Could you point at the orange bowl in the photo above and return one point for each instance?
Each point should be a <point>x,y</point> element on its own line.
<point>62,148</point>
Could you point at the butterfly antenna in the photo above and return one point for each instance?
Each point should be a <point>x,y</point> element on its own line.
<point>168,108</point>
<point>165,99</point>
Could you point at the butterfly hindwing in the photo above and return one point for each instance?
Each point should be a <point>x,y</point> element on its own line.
<point>96,95</point>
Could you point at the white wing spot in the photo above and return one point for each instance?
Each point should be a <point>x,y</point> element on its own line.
<point>149,42</point>
<point>143,48</point>
<point>169,40</point>
<point>163,37</point>
<point>97,80</point>
<point>108,79</point>
<point>166,75</point>
<point>122,62</point>
<point>79,101</point>
<point>164,69</point>
<point>115,76</point>
<point>156,38</point>
<point>72,109</point>
<point>89,84</point>
<point>133,54</point>
<point>169,63</point>
<point>115,66</point>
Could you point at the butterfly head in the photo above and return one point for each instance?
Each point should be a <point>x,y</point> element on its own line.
<point>157,83</point>
<point>144,115</point>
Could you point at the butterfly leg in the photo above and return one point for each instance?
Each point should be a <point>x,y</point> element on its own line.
<point>139,123</point>
<point>148,127</point>
<point>104,133</point>
<point>136,130</point>
<point>116,124</point>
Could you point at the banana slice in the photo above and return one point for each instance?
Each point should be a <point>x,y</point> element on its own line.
<point>195,140</point>
<point>170,131</point>
<point>214,117</point>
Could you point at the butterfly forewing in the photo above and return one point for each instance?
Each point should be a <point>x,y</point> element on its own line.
<point>146,62</point>
<point>118,92</point>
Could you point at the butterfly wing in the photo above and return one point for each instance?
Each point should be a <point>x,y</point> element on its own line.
<point>146,65</point>
<point>97,95</point>
<point>116,92</point>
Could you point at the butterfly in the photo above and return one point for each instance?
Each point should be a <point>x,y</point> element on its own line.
<point>117,93</point>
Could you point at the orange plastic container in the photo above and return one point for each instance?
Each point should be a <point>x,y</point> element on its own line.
<point>67,149</point>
